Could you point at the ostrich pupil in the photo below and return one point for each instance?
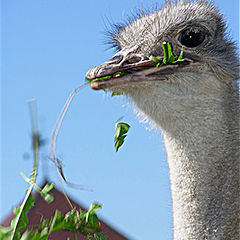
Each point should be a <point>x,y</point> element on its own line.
<point>191,38</point>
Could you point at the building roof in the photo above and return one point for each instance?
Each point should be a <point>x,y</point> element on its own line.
<point>43,209</point>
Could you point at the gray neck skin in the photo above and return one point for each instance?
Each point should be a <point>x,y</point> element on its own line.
<point>201,135</point>
<point>204,172</point>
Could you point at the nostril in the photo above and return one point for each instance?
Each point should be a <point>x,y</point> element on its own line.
<point>132,60</point>
<point>116,59</point>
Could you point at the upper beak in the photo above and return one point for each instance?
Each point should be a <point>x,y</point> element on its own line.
<point>120,63</point>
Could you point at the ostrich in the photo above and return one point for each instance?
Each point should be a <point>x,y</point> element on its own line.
<point>195,103</point>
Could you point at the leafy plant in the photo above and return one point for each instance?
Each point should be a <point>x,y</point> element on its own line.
<point>84,222</point>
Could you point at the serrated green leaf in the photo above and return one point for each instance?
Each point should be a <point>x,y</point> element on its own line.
<point>26,235</point>
<point>47,188</point>
<point>124,127</point>
<point>93,219</point>
<point>180,58</point>
<point>171,57</point>
<point>121,129</point>
<point>92,210</point>
<point>119,142</point>
<point>57,222</point>
<point>5,232</point>
<point>23,220</point>
<point>48,197</point>
<point>168,54</point>
<point>32,235</point>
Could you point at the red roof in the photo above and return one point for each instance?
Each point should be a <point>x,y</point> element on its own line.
<point>43,209</point>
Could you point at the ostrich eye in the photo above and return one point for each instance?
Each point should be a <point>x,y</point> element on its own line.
<point>192,37</point>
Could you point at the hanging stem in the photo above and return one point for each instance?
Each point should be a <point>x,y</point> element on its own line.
<point>52,151</point>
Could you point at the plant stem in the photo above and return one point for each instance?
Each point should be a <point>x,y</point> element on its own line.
<point>35,139</point>
<point>75,235</point>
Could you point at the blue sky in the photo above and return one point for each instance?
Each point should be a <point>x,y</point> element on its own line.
<point>47,47</point>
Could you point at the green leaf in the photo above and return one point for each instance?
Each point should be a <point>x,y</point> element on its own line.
<point>117,94</point>
<point>165,57</point>
<point>116,75</point>
<point>91,213</point>
<point>102,78</point>
<point>48,197</point>
<point>171,57</point>
<point>47,188</point>
<point>30,235</point>
<point>5,233</point>
<point>180,58</point>
<point>155,59</point>
<point>120,134</point>
<point>23,220</point>
<point>44,232</point>
<point>121,128</point>
<point>57,222</point>
<point>26,235</point>
<point>168,56</point>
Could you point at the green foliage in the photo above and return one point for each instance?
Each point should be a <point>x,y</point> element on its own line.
<point>21,216</point>
<point>168,56</point>
<point>45,192</point>
<point>20,221</point>
<point>120,133</point>
<point>84,222</point>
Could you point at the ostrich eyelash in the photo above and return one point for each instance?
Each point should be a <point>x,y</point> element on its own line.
<point>113,30</point>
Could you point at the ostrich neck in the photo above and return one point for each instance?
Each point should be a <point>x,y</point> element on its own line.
<point>202,144</point>
<point>204,173</point>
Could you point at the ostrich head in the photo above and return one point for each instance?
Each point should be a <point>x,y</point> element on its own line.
<point>196,105</point>
<point>165,92</point>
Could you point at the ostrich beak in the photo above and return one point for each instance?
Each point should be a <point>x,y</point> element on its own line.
<point>120,64</point>
<point>126,67</point>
